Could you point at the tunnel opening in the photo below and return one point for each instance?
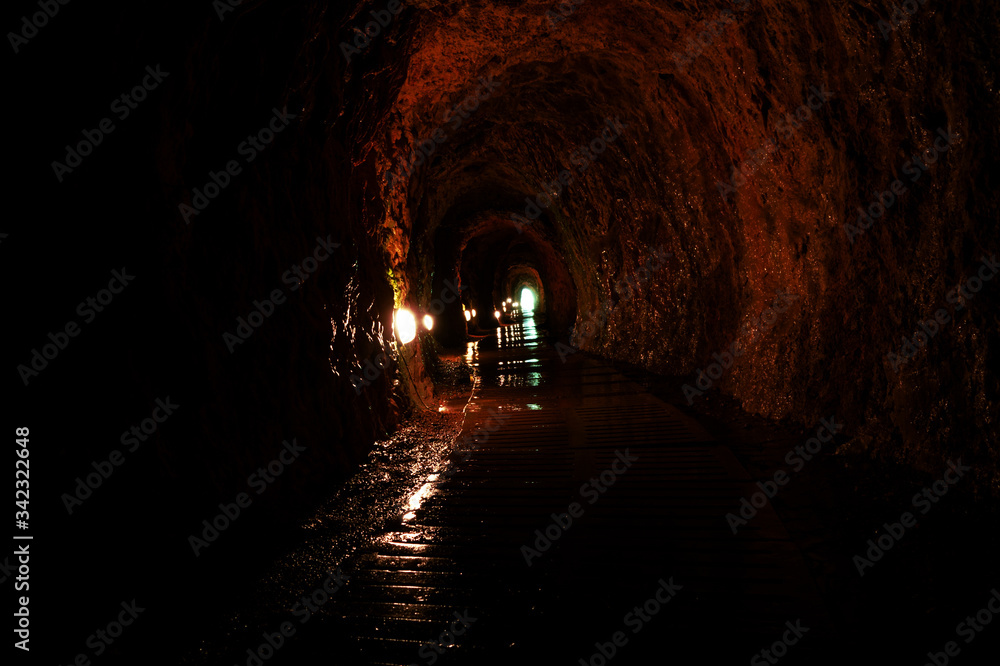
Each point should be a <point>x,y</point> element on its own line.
<point>491,260</point>
<point>523,281</point>
<point>527,299</point>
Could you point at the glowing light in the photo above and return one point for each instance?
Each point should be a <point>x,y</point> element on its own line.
<point>527,300</point>
<point>468,316</point>
<point>496,314</point>
<point>516,304</point>
<point>509,300</point>
<point>473,312</point>
<point>428,322</point>
<point>405,325</point>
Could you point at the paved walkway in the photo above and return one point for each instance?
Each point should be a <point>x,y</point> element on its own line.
<point>648,560</point>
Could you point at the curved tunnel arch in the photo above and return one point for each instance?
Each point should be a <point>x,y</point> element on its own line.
<point>539,266</point>
<point>691,173</point>
<point>479,256</point>
<point>723,165</point>
<point>522,278</point>
<point>547,115</point>
<point>714,167</point>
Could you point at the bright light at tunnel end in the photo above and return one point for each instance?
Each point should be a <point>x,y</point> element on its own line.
<point>405,325</point>
<point>527,300</point>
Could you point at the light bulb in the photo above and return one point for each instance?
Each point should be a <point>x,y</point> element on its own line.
<point>406,326</point>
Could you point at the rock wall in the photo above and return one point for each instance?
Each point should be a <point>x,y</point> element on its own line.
<point>492,139</point>
<point>751,133</point>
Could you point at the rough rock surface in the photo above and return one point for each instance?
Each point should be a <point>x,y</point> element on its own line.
<point>536,91</point>
<point>693,115</point>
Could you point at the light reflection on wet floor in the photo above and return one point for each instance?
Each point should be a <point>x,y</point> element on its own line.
<point>461,542</point>
<point>538,432</point>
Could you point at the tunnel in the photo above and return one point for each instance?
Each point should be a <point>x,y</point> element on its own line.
<point>580,331</point>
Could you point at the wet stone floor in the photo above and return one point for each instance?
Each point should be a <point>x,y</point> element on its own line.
<point>577,519</point>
